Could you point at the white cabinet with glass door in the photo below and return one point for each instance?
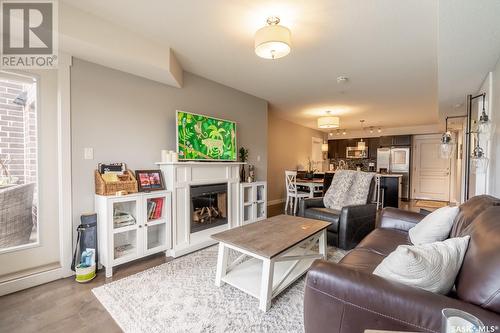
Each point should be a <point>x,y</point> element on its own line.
<point>253,202</point>
<point>132,226</point>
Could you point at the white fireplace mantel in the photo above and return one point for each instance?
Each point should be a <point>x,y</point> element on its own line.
<point>179,177</point>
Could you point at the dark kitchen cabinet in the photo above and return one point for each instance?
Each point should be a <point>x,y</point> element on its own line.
<point>352,142</point>
<point>333,148</point>
<point>373,145</point>
<point>401,140</point>
<point>341,148</point>
<point>385,141</point>
<point>396,140</point>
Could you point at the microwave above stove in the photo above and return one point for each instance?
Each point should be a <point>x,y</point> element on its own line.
<point>355,152</point>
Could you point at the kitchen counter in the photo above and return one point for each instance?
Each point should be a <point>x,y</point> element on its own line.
<point>388,175</point>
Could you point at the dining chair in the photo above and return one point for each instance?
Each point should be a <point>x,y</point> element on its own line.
<point>293,195</point>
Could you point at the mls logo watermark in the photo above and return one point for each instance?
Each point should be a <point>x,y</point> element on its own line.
<point>29,34</point>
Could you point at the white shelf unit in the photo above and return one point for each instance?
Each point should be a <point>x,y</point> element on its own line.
<point>135,237</point>
<point>253,202</point>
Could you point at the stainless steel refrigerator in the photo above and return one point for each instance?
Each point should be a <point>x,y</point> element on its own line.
<point>396,160</point>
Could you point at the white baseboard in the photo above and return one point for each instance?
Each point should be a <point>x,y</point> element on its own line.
<point>275,202</point>
<point>29,281</point>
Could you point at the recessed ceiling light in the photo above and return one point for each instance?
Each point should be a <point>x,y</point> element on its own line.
<point>457,106</point>
<point>342,79</point>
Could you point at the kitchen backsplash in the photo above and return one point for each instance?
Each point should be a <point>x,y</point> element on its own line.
<point>353,163</point>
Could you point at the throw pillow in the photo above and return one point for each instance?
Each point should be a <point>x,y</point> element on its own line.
<point>434,227</point>
<point>337,192</point>
<point>360,188</point>
<point>431,267</point>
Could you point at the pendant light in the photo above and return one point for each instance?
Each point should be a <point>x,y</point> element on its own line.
<point>446,146</point>
<point>485,126</point>
<point>479,162</point>
<point>361,143</point>
<point>273,41</point>
<point>328,121</point>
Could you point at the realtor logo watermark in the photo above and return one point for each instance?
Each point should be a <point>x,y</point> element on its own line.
<point>29,34</point>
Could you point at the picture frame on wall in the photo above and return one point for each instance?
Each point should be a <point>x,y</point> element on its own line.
<point>150,180</point>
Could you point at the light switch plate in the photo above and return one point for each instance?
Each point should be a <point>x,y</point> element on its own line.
<point>88,153</point>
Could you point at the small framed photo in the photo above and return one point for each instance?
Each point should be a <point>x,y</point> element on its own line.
<point>150,180</point>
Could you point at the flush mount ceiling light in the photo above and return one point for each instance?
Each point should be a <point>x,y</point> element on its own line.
<point>329,121</point>
<point>342,79</point>
<point>273,41</point>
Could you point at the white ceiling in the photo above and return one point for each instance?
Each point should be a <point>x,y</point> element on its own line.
<point>387,48</point>
<point>469,47</point>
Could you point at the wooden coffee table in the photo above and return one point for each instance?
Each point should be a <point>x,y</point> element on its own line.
<point>280,251</point>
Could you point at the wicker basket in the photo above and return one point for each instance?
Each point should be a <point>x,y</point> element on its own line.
<point>110,188</point>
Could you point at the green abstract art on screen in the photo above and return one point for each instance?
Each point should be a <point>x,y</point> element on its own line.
<point>203,138</point>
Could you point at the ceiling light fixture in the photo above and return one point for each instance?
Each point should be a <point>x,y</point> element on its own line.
<point>273,41</point>
<point>342,79</point>
<point>361,143</point>
<point>379,130</point>
<point>328,121</point>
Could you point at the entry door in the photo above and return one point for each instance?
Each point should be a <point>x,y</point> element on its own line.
<point>431,174</point>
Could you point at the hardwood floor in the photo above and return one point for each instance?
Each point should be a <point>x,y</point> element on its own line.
<point>65,305</point>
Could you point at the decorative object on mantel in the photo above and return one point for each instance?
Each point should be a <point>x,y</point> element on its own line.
<point>149,180</point>
<point>201,137</point>
<point>243,152</point>
<point>165,156</point>
<point>251,173</point>
<point>168,156</point>
<point>113,178</point>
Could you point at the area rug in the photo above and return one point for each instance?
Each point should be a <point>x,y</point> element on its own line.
<point>180,296</point>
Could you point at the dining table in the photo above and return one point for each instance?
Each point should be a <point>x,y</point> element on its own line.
<point>314,185</point>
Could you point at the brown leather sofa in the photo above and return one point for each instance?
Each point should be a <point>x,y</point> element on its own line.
<point>347,297</point>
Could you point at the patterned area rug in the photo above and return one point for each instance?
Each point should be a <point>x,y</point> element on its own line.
<point>180,296</point>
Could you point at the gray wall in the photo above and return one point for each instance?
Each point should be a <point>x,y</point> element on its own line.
<point>126,118</point>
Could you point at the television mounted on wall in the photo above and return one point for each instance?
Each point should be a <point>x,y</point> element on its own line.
<point>201,137</point>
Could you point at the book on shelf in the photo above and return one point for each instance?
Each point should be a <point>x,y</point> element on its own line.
<point>155,208</point>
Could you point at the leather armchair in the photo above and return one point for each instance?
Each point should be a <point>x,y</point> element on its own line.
<point>348,225</point>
